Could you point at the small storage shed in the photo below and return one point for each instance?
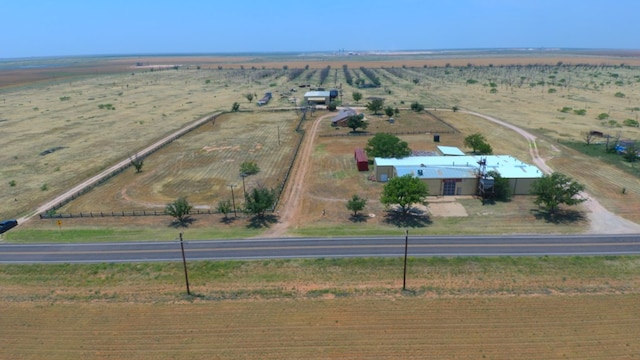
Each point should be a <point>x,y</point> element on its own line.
<point>317,97</point>
<point>361,160</point>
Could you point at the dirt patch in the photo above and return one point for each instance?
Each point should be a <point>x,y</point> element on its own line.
<point>445,209</point>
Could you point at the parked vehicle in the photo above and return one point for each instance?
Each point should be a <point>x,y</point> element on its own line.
<point>265,99</point>
<point>7,225</point>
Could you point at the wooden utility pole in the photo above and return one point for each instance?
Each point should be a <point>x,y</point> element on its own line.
<point>233,200</point>
<point>184,262</point>
<point>406,246</point>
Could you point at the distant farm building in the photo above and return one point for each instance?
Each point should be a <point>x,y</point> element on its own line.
<point>343,117</point>
<point>320,96</point>
<point>362,161</point>
<point>317,97</point>
<point>458,175</point>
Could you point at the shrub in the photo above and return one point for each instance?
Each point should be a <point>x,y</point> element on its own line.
<point>472,81</point>
<point>603,116</point>
<point>631,123</point>
<point>565,109</point>
<point>580,112</point>
<point>551,90</point>
<point>619,94</point>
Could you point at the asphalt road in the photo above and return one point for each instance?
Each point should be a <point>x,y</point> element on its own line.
<point>534,245</point>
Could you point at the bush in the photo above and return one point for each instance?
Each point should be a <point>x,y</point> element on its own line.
<point>631,123</point>
<point>551,91</point>
<point>565,109</point>
<point>603,116</point>
<point>619,94</point>
<point>580,112</point>
<point>417,107</point>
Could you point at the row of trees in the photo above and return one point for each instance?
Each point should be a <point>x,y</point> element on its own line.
<point>257,201</point>
<point>551,191</point>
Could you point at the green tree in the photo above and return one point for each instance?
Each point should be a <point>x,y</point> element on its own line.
<point>416,106</point>
<point>404,191</point>
<point>224,207</point>
<point>478,143</point>
<point>179,209</point>
<point>555,189</point>
<point>137,163</point>
<point>387,146</point>
<point>388,111</point>
<point>455,108</point>
<point>249,96</point>
<point>356,203</point>
<point>249,168</point>
<point>485,149</point>
<point>357,96</point>
<point>501,189</point>
<point>235,107</point>
<point>375,105</point>
<point>357,121</point>
<point>259,200</point>
<point>630,152</point>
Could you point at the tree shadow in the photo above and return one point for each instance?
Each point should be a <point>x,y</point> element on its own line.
<point>228,220</point>
<point>414,218</point>
<point>561,216</point>
<point>259,222</point>
<point>182,224</point>
<point>358,218</point>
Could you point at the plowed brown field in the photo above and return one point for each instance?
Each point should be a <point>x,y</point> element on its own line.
<point>548,327</point>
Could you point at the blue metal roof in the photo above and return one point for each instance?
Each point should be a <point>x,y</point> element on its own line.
<point>508,166</point>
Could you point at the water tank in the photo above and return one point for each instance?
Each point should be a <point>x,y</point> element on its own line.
<point>436,138</point>
<point>333,94</point>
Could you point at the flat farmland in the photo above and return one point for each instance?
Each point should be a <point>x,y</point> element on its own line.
<point>594,327</point>
<point>534,308</point>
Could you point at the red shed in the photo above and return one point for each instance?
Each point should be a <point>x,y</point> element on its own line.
<point>361,160</point>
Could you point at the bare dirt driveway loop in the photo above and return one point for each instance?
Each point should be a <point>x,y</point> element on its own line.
<point>601,220</point>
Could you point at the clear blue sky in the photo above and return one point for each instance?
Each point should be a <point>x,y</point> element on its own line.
<point>101,27</point>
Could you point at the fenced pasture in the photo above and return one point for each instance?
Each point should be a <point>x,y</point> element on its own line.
<point>203,165</point>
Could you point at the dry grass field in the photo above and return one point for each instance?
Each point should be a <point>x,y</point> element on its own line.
<point>149,101</point>
<point>97,112</point>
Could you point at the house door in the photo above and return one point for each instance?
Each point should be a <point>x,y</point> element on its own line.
<point>449,188</point>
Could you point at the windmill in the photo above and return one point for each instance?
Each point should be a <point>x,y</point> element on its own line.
<point>485,182</point>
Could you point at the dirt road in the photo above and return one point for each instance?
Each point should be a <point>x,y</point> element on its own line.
<point>292,194</point>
